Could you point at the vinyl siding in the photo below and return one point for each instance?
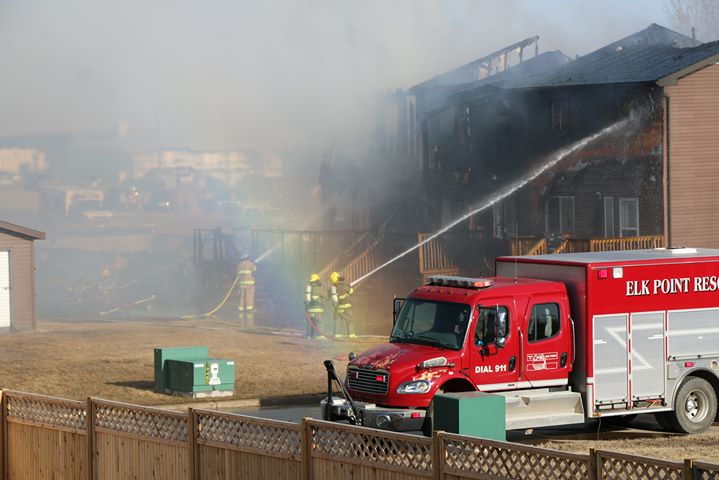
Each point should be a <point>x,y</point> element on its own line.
<point>22,280</point>
<point>693,163</point>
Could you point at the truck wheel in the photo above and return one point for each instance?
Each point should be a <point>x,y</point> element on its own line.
<point>695,406</point>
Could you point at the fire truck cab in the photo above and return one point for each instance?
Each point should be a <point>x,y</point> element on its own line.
<point>563,337</point>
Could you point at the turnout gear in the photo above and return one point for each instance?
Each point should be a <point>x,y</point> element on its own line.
<point>313,305</point>
<point>340,293</point>
<point>246,286</point>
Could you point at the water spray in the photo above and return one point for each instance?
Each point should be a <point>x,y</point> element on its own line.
<point>562,154</point>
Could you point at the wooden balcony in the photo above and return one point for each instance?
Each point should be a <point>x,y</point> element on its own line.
<point>434,256</point>
<point>572,245</point>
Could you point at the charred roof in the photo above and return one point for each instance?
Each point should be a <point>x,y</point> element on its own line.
<point>632,64</point>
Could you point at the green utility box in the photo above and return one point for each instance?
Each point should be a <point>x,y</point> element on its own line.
<point>476,414</point>
<point>209,377</point>
<point>162,355</point>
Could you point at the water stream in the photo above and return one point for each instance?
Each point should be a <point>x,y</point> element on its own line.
<point>510,189</point>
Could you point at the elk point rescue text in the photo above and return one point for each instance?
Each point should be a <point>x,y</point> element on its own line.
<point>668,286</point>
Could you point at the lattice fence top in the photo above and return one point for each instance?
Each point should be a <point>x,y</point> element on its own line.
<point>48,411</point>
<point>505,460</point>
<point>279,438</point>
<point>706,471</point>
<point>146,422</point>
<point>363,445</point>
<point>619,466</point>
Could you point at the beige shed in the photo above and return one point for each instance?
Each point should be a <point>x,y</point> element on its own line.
<point>17,276</point>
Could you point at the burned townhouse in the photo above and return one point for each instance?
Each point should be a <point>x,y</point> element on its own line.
<point>456,143</point>
<point>644,185</point>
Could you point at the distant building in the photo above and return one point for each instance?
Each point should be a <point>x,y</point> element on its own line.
<point>17,276</point>
<point>17,160</point>
<point>229,166</point>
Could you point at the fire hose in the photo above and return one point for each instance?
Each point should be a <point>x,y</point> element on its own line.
<point>227,297</point>
<point>128,305</point>
<point>222,303</point>
<point>317,329</point>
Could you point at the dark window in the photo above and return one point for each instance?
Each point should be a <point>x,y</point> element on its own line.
<point>609,217</point>
<point>628,217</point>
<point>560,115</point>
<point>488,329</point>
<point>560,215</point>
<point>544,322</point>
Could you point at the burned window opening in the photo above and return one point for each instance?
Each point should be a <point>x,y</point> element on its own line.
<point>609,217</point>
<point>560,116</point>
<point>559,212</point>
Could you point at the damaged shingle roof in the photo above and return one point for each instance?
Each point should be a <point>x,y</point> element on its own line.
<point>632,64</point>
<point>541,64</point>
<point>645,56</point>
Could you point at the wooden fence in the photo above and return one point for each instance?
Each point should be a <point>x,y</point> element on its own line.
<point>45,437</point>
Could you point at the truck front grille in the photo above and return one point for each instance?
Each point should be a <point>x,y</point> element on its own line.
<point>368,381</point>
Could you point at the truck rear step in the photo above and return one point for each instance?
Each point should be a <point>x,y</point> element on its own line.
<point>542,408</point>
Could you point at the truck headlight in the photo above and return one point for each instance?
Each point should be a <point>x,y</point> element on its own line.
<point>419,386</point>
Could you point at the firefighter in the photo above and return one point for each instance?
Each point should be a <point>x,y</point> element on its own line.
<point>313,305</point>
<point>246,288</point>
<point>340,293</point>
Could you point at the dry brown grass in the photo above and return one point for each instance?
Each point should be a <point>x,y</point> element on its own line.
<point>115,360</point>
<point>703,447</point>
<point>646,440</point>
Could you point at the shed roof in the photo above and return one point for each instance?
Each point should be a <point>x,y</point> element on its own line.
<point>12,229</point>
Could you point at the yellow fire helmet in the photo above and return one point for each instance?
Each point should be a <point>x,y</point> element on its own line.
<point>314,278</point>
<point>334,277</point>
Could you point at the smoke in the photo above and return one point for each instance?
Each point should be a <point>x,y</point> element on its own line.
<point>285,73</point>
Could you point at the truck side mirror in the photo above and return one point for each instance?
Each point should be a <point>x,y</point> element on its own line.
<point>500,329</point>
<point>396,308</point>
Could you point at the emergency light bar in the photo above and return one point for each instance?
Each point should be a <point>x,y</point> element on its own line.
<point>461,282</point>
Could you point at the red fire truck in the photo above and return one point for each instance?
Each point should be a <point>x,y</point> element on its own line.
<point>564,337</point>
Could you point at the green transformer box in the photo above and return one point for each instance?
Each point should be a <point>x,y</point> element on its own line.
<point>476,414</point>
<point>173,353</point>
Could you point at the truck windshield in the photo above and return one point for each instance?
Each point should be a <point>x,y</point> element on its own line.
<point>438,324</point>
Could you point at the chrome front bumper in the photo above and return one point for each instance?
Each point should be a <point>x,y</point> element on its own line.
<point>396,419</point>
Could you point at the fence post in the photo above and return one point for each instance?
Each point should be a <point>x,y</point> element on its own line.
<point>593,467</point>
<point>4,463</point>
<point>688,470</point>
<point>437,456</point>
<point>194,459</point>
<point>90,423</point>
<point>306,440</point>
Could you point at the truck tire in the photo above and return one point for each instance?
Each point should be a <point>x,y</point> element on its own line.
<point>695,406</point>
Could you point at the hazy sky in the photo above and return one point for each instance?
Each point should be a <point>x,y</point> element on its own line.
<point>267,74</point>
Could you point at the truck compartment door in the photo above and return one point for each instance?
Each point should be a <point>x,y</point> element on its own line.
<point>647,354</point>
<point>611,379</point>
<point>693,332</point>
